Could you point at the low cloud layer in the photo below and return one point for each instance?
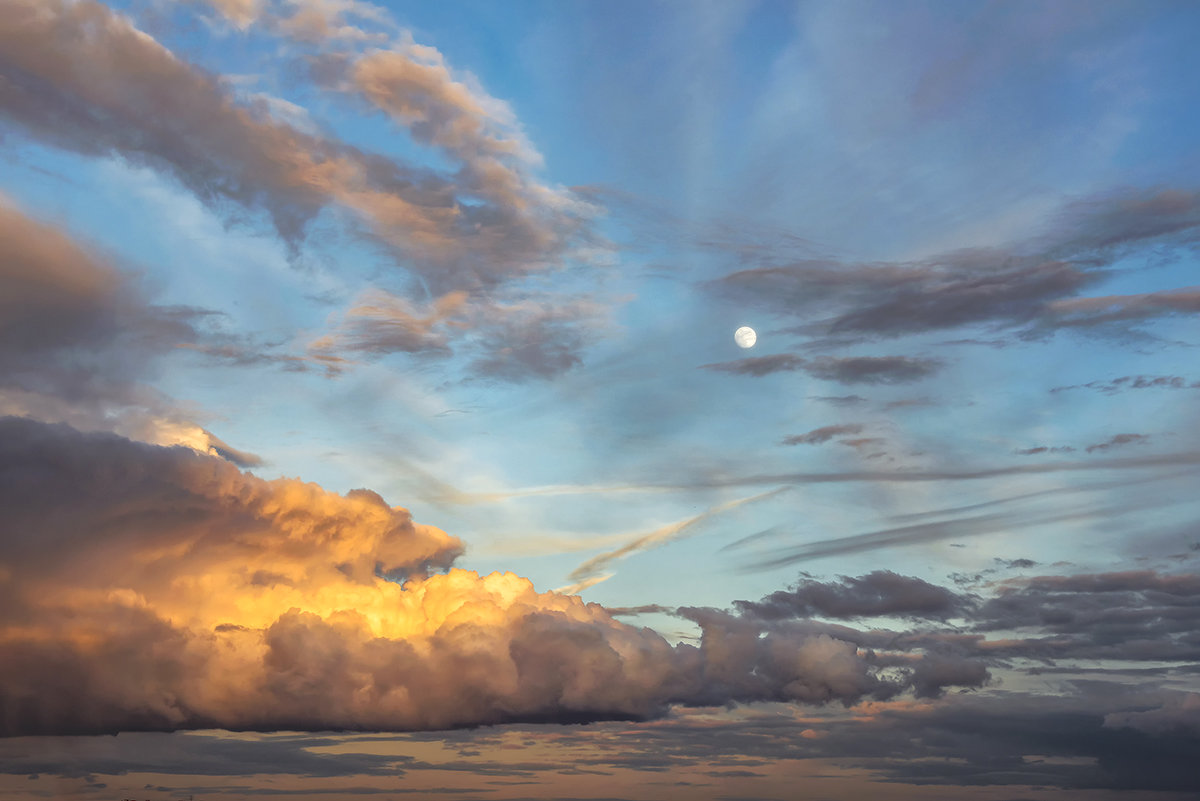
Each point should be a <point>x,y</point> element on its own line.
<point>877,594</point>
<point>159,588</point>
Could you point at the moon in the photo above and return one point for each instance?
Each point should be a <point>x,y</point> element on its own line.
<point>745,337</point>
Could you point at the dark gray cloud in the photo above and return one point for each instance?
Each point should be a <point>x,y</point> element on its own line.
<point>843,370</point>
<point>873,369</point>
<point>877,594</point>
<point>1040,449</point>
<point>80,339</point>
<point>910,403</point>
<point>840,400</point>
<point>823,434</point>
<point>72,324</point>
<point>1028,287</point>
<point>1125,382</point>
<point>1117,441</point>
<point>759,366</point>
<point>1129,617</point>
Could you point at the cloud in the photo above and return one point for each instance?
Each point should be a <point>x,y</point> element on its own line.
<point>63,305</point>
<point>881,593</point>
<point>1180,715</point>
<point>840,400</point>
<point>1097,311</point>
<point>327,21</point>
<point>115,91</point>
<point>383,323</point>
<point>461,235</point>
<point>823,434</point>
<point>240,12</point>
<point>531,337</point>
<point>1117,441</point>
<point>759,366</point>
<point>79,338</point>
<point>587,574</point>
<point>1028,287</point>
<point>873,369</point>
<point>843,370</point>
<point>1125,382</point>
<point>918,533</point>
<point>158,588</point>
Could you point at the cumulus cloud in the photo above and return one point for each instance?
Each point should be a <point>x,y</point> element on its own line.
<point>159,588</point>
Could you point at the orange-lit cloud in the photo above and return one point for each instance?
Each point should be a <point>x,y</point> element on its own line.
<point>150,587</point>
<point>81,77</point>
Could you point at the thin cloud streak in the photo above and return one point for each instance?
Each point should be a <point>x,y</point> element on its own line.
<point>919,533</point>
<point>1181,458</point>
<point>587,574</point>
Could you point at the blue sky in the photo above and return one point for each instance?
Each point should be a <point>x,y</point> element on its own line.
<point>486,260</point>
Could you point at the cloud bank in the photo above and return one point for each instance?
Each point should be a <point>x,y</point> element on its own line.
<point>159,588</point>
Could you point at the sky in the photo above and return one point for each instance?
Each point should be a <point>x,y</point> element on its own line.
<point>372,422</point>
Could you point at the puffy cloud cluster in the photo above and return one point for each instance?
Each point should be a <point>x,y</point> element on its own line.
<point>147,587</point>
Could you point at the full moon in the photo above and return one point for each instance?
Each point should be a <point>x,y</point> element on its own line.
<point>745,337</point>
